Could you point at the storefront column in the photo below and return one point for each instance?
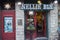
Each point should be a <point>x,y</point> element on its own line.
<point>53,23</point>
<point>19,23</point>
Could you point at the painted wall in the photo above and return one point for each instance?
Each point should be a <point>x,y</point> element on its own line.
<point>53,23</point>
<point>19,23</point>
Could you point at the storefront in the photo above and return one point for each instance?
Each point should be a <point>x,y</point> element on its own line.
<point>30,24</point>
<point>36,23</point>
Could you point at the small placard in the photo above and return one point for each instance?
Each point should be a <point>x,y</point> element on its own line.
<point>19,21</point>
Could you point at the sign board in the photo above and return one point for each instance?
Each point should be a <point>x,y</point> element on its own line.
<point>36,6</point>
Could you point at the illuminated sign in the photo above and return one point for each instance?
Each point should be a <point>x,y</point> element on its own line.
<point>36,6</point>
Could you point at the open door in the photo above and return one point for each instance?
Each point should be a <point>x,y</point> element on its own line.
<point>8,25</point>
<point>38,21</point>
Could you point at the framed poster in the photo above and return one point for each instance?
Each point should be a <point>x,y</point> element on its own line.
<point>8,24</point>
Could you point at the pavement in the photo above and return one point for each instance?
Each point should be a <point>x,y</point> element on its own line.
<point>41,38</point>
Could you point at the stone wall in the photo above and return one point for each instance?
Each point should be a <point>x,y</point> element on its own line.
<point>53,23</point>
<point>19,23</point>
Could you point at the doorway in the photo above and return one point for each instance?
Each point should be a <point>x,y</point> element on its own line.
<point>38,21</point>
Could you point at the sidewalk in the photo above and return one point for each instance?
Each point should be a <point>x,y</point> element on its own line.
<point>41,38</point>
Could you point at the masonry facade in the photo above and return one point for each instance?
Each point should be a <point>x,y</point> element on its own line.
<point>19,31</point>
<point>52,20</point>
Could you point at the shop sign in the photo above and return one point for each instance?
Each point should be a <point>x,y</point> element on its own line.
<point>36,7</point>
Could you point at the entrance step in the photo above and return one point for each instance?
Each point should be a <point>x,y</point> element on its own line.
<point>41,38</point>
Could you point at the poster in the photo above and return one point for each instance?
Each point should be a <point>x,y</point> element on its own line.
<point>8,25</point>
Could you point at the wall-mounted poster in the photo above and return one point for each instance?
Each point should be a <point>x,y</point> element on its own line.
<point>8,25</point>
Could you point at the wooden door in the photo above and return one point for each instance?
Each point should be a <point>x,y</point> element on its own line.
<point>8,25</point>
